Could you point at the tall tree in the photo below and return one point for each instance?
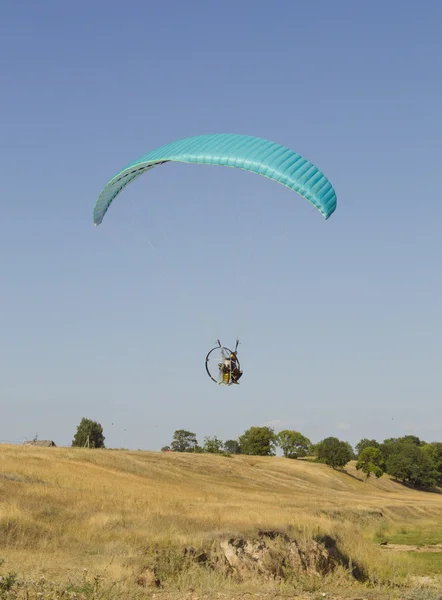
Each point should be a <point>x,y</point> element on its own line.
<point>392,445</point>
<point>412,439</point>
<point>411,464</point>
<point>434,451</point>
<point>89,434</point>
<point>293,444</point>
<point>371,461</point>
<point>258,441</point>
<point>365,443</point>
<point>184,441</point>
<point>333,452</point>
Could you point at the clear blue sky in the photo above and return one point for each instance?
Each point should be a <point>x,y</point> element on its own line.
<point>340,320</point>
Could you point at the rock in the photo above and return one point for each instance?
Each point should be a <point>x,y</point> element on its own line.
<point>271,557</point>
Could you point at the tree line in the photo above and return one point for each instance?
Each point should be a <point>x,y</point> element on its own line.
<point>407,459</point>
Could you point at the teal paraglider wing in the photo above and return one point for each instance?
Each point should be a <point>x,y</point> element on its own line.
<point>231,150</point>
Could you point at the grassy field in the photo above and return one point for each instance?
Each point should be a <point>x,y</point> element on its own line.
<point>84,523</point>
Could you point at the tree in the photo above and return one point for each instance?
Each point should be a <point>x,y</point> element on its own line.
<point>213,445</point>
<point>365,443</point>
<point>412,465</point>
<point>293,444</point>
<point>371,461</point>
<point>352,452</point>
<point>258,441</point>
<point>391,446</point>
<point>184,441</point>
<point>333,452</point>
<point>90,434</point>
<point>434,451</point>
<point>165,449</point>
<point>232,447</point>
<point>411,439</point>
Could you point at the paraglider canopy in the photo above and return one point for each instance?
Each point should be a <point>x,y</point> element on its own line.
<point>231,150</point>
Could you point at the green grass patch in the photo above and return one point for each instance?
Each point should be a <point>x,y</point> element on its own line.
<point>426,534</point>
<point>423,534</point>
<point>426,563</point>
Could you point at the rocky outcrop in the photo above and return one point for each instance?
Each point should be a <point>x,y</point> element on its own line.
<point>269,555</point>
<point>278,556</point>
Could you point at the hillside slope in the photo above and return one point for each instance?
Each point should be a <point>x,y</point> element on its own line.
<point>64,509</point>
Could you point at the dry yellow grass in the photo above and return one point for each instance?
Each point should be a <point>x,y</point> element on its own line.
<point>66,509</point>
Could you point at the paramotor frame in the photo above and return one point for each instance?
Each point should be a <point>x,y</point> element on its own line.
<point>215,359</point>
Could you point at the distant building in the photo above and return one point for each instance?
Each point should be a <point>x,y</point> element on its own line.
<point>45,443</point>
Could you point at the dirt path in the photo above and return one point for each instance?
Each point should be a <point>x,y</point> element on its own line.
<point>412,548</point>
